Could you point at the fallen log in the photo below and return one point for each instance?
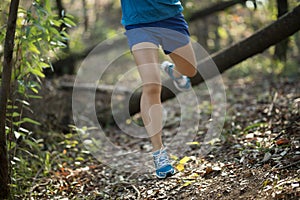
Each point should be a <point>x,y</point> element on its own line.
<point>261,40</point>
<point>66,65</point>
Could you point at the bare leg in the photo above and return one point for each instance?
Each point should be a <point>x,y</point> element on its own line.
<point>184,60</point>
<point>146,58</point>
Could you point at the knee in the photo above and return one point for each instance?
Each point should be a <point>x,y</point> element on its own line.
<point>151,89</point>
<point>191,70</point>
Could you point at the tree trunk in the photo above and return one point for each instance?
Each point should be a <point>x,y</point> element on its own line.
<point>85,16</point>
<point>262,39</point>
<point>61,13</point>
<point>213,9</point>
<point>5,91</point>
<point>281,48</point>
<point>203,34</point>
<point>61,70</point>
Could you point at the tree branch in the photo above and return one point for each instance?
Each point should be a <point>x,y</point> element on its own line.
<point>213,9</point>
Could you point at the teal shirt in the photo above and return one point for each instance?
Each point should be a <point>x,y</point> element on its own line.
<point>146,11</point>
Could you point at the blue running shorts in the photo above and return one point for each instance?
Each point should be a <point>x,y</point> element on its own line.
<point>170,33</point>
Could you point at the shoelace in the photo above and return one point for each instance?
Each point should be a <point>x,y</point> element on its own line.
<point>161,159</point>
<point>182,80</point>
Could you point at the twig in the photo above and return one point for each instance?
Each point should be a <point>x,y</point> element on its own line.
<point>37,185</point>
<point>272,104</point>
<point>287,166</point>
<point>137,191</point>
<point>279,135</point>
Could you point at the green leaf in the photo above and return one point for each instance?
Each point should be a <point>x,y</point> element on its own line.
<point>13,185</point>
<point>37,72</point>
<point>15,114</point>
<point>47,6</point>
<point>68,22</point>
<point>43,65</point>
<point>54,31</point>
<point>255,125</point>
<point>23,102</point>
<point>80,158</point>
<point>34,90</point>
<point>27,31</point>
<point>33,48</point>
<point>38,26</point>
<point>12,107</point>
<point>35,96</point>
<point>31,144</point>
<point>2,36</point>
<point>26,119</point>
<point>11,145</point>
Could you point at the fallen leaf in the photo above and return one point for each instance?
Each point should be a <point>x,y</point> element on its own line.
<point>216,168</point>
<point>193,143</point>
<point>180,167</point>
<point>173,157</point>
<point>184,160</point>
<point>208,170</point>
<point>187,183</point>
<point>282,141</point>
<point>193,176</point>
<point>294,185</point>
<point>267,157</point>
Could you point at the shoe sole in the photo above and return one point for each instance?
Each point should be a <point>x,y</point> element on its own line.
<point>181,89</point>
<point>168,174</point>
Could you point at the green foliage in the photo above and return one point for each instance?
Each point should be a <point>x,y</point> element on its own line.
<point>39,35</point>
<point>264,65</point>
<point>36,159</point>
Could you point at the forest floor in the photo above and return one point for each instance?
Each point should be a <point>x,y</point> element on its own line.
<point>256,157</point>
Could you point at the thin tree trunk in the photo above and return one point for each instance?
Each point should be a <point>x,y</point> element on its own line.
<point>281,48</point>
<point>261,40</point>
<point>203,34</point>
<point>61,13</point>
<point>85,16</point>
<point>5,91</point>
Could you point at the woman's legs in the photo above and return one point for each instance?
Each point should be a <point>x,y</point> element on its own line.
<point>184,60</point>
<point>146,58</point>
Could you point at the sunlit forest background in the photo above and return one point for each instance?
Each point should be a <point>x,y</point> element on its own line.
<point>46,158</point>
